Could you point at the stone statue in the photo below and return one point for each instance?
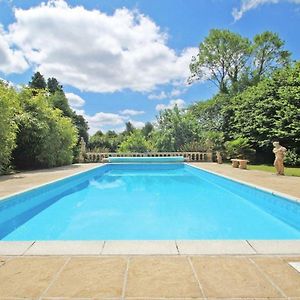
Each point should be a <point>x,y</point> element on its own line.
<point>82,150</point>
<point>219,157</point>
<point>279,152</point>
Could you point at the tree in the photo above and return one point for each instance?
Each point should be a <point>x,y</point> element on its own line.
<point>135,142</point>
<point>210,114</point>
<point>268,54</point>
<point>37,81</point>
<point>147,129</point>
<point>60,101</point>
<point>45,137</point>
<point>269,111</point>
<point>175,129</point>
<point>222,57</point>
<point>53,85</point>
<point>129,128</point>
<point>82,127</point>
<point>9,107</point>
<point>239,148</point>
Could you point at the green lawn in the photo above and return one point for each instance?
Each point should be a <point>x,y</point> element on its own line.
<point>268,168</point>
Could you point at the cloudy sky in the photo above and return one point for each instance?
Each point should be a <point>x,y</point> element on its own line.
<point>124,60</point>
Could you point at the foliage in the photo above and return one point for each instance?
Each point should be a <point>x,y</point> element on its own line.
<point>53,85</point>
<point>239,148</point>
<point>210,114</point>
<point>268,54</point>
<point>37,81</point>
<point>135,142</point>
<point>108,142</point>
<point>9,107</point>
<point>129,128</point>
<point>213,140</point>
<point>175,129</point>
<point>45,137</point>
<point>147,130</point>
<point>292,158</point>
<point>232,62</point>
<point>59,100</point>
<point>223,55</point>
<point>269,111</point>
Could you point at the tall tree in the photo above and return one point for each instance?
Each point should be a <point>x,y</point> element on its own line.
<point>53,85</point>
<point>175,129</point>
<point>37,81</point>
<point>222,57</point>
<point>129,128</point>
<point>9,107</point>
<point>268,54</point>
<point>147,129</point>
<point>59,100</point>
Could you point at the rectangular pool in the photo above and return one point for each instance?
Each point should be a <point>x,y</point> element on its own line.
<point>147,202</point>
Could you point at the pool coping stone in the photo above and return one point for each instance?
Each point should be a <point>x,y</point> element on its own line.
<point>181,248</point>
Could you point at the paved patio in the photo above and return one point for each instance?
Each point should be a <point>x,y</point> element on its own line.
<point>149,277</point>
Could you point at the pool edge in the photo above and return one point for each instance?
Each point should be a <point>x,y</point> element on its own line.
<point>50,182</point>
<point>151,247</point>
<point>257,187</point>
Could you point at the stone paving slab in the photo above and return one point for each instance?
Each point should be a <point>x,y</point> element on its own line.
<point>285,277</point>
<point>181,248</point>
<point>276,246</point>
<point>65,248</point>
<point>161,277</point>
<point>225,277</point>
<point>140,248</point>
<point>149,277</point>
<point>214,247</point>
<point>26,277</point>
<point>14,248</point>
<point>90,277</point>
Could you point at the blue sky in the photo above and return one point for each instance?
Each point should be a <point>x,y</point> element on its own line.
<point>126,60</point>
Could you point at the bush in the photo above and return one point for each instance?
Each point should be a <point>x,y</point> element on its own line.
<point>8,128</point>
<point>239,148</point>
<point>135,142</point>
<point>292,159</point>
<point>45,138</point>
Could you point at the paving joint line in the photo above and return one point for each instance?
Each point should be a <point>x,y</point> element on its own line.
<point>101,252</point>
<point>256,252</point>
<point>125,279</point>
<point>197,279</point>
<point>177,247</point>
<point>268,278</point>
<point>55,278</point>
<point>25,251</point>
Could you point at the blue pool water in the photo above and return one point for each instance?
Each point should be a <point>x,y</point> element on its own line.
<point>147,202</point>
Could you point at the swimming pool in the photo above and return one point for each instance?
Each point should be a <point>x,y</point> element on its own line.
<point>147,202</point>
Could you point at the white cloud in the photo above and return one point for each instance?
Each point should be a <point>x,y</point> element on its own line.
<point>74,100</point>
<point>97,52</point>
<point>161,95</point>
<point>131,112</point>
<point>247,5</point>
<point>108,121</point>
<point>179,102</point>
<point>173,93</point>
<point>11,60</point>
<point>137,124</point>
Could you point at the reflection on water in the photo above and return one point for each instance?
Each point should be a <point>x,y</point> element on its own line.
<point>109,183</point>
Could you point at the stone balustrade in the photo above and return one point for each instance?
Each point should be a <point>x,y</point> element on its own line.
<point>189,156</point>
